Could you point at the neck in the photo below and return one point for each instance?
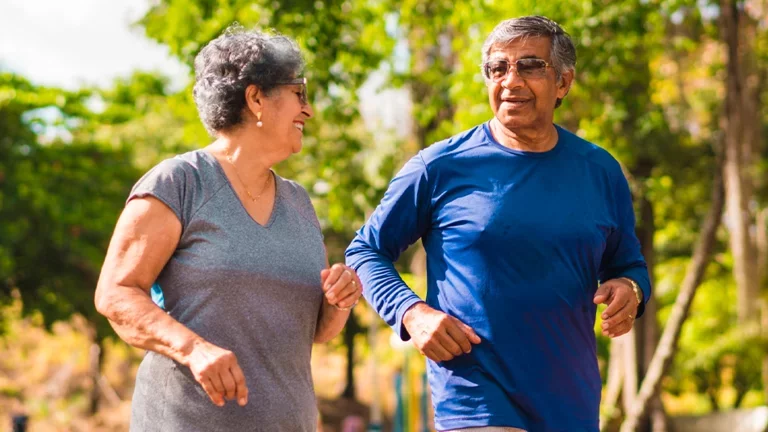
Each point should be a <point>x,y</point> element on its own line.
<point>253,164</point>
<point>532,140</point>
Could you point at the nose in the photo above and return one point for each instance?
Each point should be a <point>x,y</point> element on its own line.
<point>512,79</point>
<point>307,110</point>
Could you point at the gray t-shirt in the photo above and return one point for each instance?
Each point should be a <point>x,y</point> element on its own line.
<point>248,288</point>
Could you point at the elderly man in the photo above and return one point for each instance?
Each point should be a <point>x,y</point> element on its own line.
<point>527,227</point>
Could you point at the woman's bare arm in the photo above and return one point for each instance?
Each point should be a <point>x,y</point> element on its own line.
<point>145,238</point>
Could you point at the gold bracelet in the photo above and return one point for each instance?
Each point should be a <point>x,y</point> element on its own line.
<point>635,288</point>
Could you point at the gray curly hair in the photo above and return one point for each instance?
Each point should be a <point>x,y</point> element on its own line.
<point>562,50</point>
<point>227,65</point>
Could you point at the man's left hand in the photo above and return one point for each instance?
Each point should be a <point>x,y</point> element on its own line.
<point>620,314</point>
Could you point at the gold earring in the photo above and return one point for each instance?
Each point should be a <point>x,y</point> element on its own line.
<point>258,120</point>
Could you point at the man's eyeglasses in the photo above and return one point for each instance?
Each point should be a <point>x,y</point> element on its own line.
<point>303,97</point>
<point>497,70</point>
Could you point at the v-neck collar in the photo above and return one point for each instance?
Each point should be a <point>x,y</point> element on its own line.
<point>278,188</point>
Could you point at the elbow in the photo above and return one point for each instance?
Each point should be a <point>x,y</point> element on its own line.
<point>103,301</point>
<point>357,250</point>
<point>321,338</point>
<point>102,305</point>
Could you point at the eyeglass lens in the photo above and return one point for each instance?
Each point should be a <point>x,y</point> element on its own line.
<point>526,68</point>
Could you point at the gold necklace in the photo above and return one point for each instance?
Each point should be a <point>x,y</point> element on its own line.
<point>237,173</point>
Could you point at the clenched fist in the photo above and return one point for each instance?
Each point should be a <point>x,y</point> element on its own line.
<point>218,372</point>
<point>437,335</point>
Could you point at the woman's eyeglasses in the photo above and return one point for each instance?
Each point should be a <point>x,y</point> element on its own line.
<point>303,97</point>
<point>497,70</point>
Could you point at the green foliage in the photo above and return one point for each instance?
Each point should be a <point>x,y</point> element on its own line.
<point>648,88</point>
<point>343,41</point>
<point>59,201</point>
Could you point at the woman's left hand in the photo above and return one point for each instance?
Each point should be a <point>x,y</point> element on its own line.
<point>341,286</point>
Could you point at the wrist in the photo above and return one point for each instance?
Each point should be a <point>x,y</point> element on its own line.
<point>635,288</point>
<point>187,348</point>
<point>335,310</point>
<point>411,312</point>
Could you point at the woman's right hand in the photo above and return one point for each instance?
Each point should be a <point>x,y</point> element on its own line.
<point>218,372</point>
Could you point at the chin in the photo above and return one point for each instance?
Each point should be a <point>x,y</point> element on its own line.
<point>517,122</point>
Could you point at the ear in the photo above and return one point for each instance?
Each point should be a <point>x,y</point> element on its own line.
<point>566,80</point>
<point>254,99</point>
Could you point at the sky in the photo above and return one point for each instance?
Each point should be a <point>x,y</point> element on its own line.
<point>69,43</point>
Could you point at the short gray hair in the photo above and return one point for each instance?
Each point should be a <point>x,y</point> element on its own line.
<point>227,65</point>
<point>562,51</point>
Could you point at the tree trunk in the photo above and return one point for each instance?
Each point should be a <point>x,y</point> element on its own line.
<point>664,354</point>
<point>350,331</point>
<point>762,263</point>
<point>648,328</point>
<point>742,125</point>
<point>630,369</point>
<point>613,385</point>
<point>96,358</point>
<point>738,180</point>
<point>375,423</point>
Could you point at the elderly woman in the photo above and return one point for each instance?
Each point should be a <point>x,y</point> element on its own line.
<point>238,252</point>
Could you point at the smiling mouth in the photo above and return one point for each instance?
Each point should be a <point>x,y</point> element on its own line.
<point>515,103</point>
<point>299,126</point>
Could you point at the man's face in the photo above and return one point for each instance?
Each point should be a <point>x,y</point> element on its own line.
<point>524,97</point>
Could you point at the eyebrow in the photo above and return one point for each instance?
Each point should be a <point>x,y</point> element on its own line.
<point>527,56</point>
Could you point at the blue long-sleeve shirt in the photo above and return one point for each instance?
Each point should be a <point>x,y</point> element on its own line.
<point>516,244</point>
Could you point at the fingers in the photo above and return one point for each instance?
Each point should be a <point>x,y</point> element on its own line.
<point>461,339</point>
<point>617,316</point>
<point>219,374</point>
<point>334,273</point>
<point>338,279</point>
<point>229,384</point>
<point>438,353</point>
<point>446,341</point>
<point>602,294</point>
<point>439,336</point>
<point>212,392</point>
<point>621,328</point>
<point>470,332</point>
<point>619,303</point>
<point>342,287</point>
<point>241,390</point>
<point>619,322</point>
<point>324,275</point>
<point>348,295</point>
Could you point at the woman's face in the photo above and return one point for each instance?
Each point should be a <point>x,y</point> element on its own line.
<point>284,113</point>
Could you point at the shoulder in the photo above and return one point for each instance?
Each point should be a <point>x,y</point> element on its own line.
<point>599,157</point>
<point>184,182</point>
<point>196,165</point>
<point>293,190</point>
<point>298,199</point>
<point>456,146</point>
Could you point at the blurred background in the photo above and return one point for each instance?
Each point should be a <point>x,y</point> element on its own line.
<point>93,93</point>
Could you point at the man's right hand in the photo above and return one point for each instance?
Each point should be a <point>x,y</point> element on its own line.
<point>218,372</point>
<point>437,335</point>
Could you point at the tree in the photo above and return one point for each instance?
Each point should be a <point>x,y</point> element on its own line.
<point>665,352</point>
<point>60,200</point>
<point>741,126</point>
